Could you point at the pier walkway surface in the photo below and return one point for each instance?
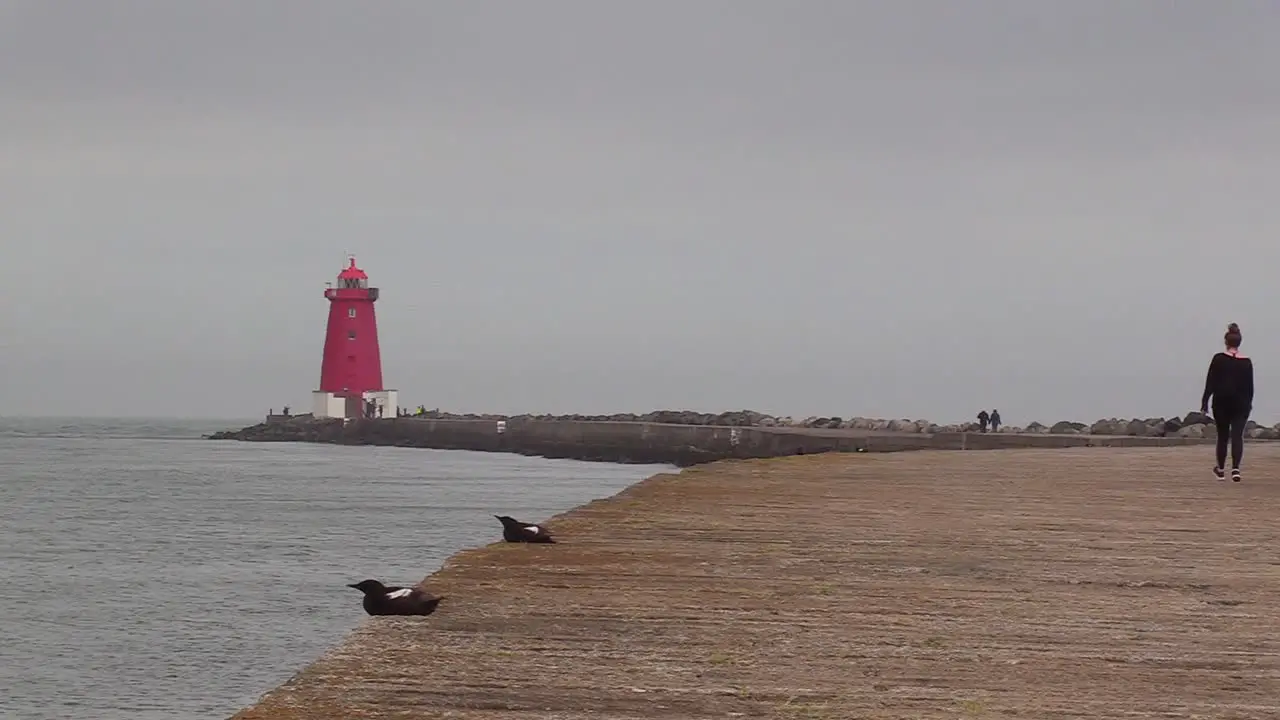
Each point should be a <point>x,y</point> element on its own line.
<point>1036,584</point>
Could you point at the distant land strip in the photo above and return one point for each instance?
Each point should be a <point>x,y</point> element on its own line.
<point>686,438</point>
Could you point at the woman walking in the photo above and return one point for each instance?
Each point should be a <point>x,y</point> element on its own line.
<point>1230,383</point>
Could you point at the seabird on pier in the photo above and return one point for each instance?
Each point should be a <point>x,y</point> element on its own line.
<point>515,531</point>
<point>382,600</point>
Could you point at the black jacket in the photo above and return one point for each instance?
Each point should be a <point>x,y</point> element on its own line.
<point>1229,381</point>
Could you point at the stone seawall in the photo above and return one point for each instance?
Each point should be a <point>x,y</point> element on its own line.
<point>647,442</point>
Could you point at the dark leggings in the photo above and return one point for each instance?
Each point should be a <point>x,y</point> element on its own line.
<point>1230,419</point>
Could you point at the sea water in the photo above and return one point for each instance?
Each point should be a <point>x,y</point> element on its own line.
<point>147,573</point>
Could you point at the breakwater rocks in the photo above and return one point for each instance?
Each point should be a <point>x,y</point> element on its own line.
<point>1191,425</point>
<point>688,443</point>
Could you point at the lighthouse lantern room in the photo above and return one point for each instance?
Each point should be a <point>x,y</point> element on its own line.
<point>351,370</point>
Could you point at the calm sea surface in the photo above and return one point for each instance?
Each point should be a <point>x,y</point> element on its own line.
<point>146,573</point>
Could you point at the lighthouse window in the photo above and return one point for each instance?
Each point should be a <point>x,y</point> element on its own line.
<point>351,312</point>
<point>351,334</point>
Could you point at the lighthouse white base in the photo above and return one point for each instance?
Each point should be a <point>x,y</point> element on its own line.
<point>328,405</point>
<point>385,403</point>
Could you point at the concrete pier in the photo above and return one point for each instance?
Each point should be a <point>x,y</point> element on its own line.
<point>642,442</point>
<point>1035,583</point>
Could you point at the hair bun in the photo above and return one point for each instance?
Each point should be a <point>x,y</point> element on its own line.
<point>1233,328</point>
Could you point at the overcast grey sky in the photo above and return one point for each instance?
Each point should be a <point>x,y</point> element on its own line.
<point>898,208</point>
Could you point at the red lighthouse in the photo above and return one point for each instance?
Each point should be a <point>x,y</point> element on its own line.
<point>351,371</point>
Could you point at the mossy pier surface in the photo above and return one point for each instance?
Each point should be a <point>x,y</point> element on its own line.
<point>1032,583</point>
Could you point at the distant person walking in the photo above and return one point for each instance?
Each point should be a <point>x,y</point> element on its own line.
<point>982,421</point>
<point>1230,383</point>
<point>995,421</point>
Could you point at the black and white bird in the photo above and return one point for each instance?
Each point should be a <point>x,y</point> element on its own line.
<point>518,532</point>
<point>382,600</point>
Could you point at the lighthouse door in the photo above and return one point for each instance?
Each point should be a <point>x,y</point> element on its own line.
<point>355,406</point>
